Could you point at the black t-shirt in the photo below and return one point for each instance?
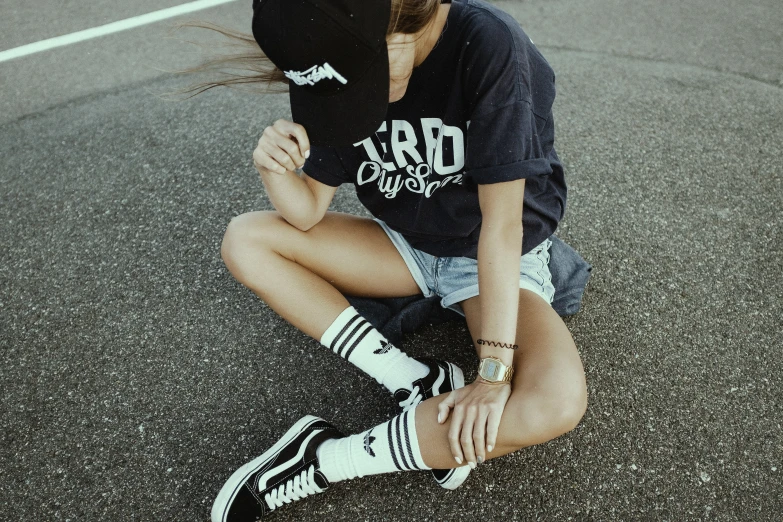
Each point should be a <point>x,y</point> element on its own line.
<point>478,110</point>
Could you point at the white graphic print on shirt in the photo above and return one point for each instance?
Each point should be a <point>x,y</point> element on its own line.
<point>417,175</point>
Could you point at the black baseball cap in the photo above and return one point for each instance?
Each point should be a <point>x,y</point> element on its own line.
<point>334,54</point>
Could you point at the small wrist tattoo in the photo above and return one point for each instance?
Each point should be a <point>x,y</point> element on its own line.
<point>495,343</point>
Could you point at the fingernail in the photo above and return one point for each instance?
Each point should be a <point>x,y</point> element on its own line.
<point>440,418</point>
<point>472,465</point>
<point>458,459</point>
<point>489,448</point>
<point>307,154</point>
<point>480,460</point>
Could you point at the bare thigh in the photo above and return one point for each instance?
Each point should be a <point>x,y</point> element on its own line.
<point>352,253</point>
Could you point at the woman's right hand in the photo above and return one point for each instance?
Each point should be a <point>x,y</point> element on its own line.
<point>283,146</point>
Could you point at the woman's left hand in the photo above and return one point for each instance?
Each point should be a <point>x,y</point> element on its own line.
<point>474,426</point>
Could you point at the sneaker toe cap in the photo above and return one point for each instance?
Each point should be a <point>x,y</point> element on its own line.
<point>244,507</point>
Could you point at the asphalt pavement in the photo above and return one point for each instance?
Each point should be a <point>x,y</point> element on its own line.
<point>137,374</point>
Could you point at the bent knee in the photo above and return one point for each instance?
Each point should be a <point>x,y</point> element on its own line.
<point>548,413</point>
<point>570,406</point>
<point>561,410</point>
<point>248,232</point>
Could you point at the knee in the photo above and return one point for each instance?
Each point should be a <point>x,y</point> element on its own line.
<point>234,238</point>
<point>245,234</point>
<point>568,407</point>
<point>548,412</point>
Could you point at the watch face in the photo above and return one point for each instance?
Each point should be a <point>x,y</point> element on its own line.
<point>491,369</point>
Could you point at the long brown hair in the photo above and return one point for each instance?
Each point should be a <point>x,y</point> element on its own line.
<point>249,66</point>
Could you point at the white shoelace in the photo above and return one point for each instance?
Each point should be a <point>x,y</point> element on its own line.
<point>295,488</point>
<point>413,399</point>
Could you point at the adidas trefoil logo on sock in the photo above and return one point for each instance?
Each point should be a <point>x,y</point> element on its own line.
<point>385,347</point>
<point>368,440</point>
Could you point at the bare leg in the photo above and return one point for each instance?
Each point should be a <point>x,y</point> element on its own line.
<point>549,394</point>
<point>302,275</point>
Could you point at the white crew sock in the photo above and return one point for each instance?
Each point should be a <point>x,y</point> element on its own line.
<point>391,446</point>
<point>353,338</point>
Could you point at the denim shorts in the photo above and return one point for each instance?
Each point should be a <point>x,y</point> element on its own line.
<point>455,279</point>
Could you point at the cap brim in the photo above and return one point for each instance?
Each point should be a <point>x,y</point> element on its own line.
<point>348,116</point>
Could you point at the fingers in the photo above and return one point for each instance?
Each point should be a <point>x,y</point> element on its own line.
<point>466,435</point>
<point>281,147</point>
<point>461,434</point>
<point>479,435</point>
<point>475,421</point>
<point>444,408</point>
<point>263,161</point>
<point>289,128</point>
<point>493,424</point>
<point>279,156</point>
<point>454,433</point>
<point>290,147</point>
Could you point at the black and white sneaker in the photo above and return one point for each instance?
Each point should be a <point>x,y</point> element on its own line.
<point>443,378</point>
<point>288,471</point>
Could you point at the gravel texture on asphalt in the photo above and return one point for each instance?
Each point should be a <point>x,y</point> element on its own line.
<point>137,374</point>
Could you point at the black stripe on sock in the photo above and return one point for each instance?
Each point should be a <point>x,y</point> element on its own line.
<point>356,343</point>
<point>353,319</point>
<point>391,445</point>
<point>342,348</point>
<point>407,440</point>
<point>356,324</point>
<point>397,432</point>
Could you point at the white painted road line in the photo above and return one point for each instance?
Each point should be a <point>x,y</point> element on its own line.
<point>114,27</point>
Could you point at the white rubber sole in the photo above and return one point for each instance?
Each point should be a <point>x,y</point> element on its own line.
<point>457,478</point>
<point>229,490</point>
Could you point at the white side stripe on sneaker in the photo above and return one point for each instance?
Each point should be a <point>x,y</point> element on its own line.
<point>439,380</point>
<point>229,490</point>
<point>272,472</point>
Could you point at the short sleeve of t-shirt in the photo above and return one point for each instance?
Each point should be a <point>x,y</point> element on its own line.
<point>503,141</point>
<point>325,165</point>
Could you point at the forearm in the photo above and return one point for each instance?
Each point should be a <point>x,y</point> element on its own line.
<point>499,250</point>
<point>291,196</point>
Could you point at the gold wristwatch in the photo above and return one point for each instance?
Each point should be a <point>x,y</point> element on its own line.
<point>494,371</point>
